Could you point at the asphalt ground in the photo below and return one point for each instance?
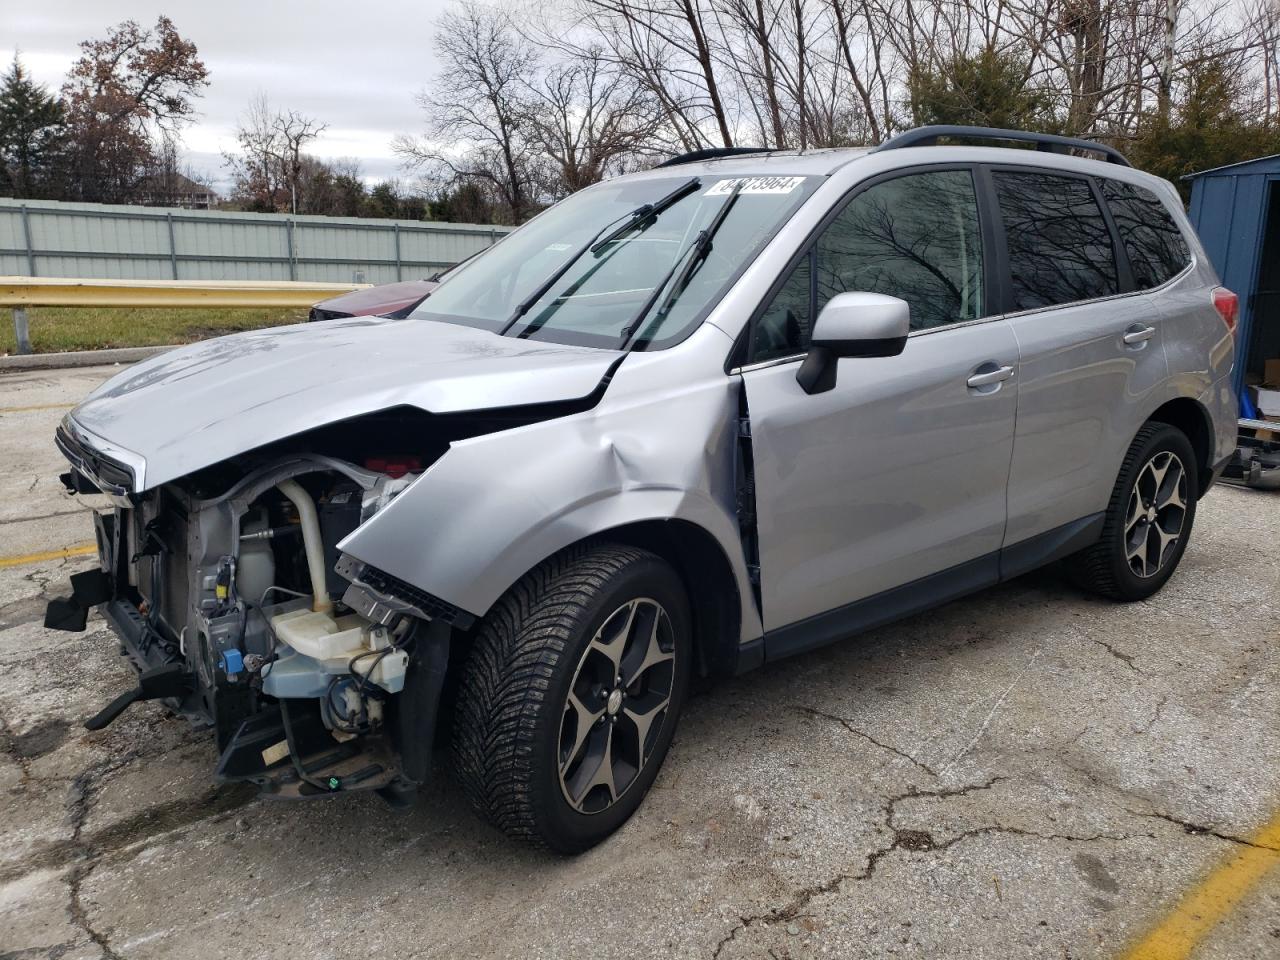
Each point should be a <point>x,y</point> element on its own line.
<point>1030,772</point>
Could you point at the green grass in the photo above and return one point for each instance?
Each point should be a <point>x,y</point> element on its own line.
<point>57,329</point>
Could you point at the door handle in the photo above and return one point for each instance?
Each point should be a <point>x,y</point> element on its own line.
<point>985,379</point>
<point>1138,334</point>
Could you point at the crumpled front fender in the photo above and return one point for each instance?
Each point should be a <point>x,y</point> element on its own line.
<point>495,506</point>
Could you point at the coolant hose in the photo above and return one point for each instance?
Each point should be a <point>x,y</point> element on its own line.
<point>311,542</point>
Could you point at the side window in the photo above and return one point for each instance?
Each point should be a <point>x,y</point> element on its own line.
<point>1156,247</point>
<point>1059,245</point>
<point>783,329</point>
<point>915,237</point>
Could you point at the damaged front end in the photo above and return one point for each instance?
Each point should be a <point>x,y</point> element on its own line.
<point>317,673</point>
<point>236,468</point>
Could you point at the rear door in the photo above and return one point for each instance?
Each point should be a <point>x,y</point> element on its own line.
<point>1090,350</point>
<point>1197,344</point>
<point>900,471</point>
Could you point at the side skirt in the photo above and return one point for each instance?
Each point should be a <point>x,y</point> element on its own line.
<point>928,592</point>
<point>871,612</point>
<point>1043,548</point>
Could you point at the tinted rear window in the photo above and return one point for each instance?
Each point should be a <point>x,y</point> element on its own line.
<point>1155,246</point>
<point>1058,241</point>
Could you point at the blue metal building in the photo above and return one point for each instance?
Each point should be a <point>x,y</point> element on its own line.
<point>1236,211</point>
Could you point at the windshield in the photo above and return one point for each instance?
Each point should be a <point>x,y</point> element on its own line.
<point>607,292</point>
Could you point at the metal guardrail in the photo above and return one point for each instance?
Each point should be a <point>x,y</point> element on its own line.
<point>20,293</point>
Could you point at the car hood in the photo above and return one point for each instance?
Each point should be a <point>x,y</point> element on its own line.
<point>198,405</point>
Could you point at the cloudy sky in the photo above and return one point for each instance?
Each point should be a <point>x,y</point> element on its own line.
<point>354,66</point>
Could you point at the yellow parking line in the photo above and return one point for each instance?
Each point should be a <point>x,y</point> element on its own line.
<point>38,406</point>
<point>81,551</point>
<point>1208,903</point>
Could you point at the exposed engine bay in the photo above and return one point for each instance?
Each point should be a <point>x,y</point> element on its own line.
<point>234,603</point>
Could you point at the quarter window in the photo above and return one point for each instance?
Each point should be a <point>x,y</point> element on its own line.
<point>1155,246</point>
<point>1059,245</point>
<point>783,329</point>
<point>915,237</point>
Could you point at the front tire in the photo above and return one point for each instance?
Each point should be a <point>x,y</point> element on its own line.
<point>1148,520</point>
<point>570,696</point>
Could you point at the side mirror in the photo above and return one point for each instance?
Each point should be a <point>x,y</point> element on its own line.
<point>853,325</point>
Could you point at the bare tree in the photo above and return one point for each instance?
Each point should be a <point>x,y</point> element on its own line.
<point>533,112</point>
<point>861,55</point>
<point>754,25</point>
<point>255,167</point>
<point>1263,25</point>
<point>480,100</point>
<point>270,164</point>
<point>590,119</point>
<point>1168,53</point>
<point>667,46</point>
<point>293,131</point>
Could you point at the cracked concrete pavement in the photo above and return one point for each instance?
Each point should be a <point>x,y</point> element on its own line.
<point>1029,772</point>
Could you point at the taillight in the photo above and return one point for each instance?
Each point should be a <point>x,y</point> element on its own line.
<point>1228,306</point>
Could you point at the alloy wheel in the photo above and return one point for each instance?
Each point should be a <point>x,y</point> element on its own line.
<point>616,705</point>
<point>1156,514</point>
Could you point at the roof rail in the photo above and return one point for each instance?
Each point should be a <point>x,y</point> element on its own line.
<point>713,153</point>
<point>1047,142</point>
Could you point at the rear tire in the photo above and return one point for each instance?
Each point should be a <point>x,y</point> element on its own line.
<point>1148,519</point>
<point>548,748</point>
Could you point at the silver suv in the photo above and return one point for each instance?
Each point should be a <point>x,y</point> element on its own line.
<point>684,423</point>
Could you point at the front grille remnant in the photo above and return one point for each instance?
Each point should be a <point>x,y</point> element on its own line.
<point>95,465</point>
<point>379,581</point>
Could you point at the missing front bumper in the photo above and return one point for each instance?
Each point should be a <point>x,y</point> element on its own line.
<point>312,764</point>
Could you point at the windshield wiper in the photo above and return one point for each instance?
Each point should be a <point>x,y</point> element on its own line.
<point>648,212</point>
<point>633,219</point>
<point>695,254</point>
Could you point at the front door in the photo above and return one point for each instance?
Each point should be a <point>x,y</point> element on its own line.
<point>900,471</point>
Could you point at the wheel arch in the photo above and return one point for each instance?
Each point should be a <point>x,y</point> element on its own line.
<point>1191,417</point>
<point>700,561</point>
<point>715,600</point>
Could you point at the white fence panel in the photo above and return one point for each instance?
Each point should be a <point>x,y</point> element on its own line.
<point>43,238</point>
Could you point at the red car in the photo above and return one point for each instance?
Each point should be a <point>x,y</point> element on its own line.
<point>386,300</point>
